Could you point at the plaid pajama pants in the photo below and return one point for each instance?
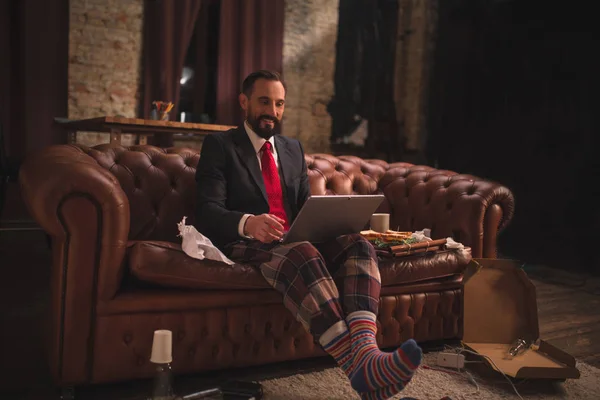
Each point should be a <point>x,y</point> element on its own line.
<point>311,277</point>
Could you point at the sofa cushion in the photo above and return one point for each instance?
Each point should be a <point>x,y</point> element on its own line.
<point>165,264</point>
<point>421,268</point>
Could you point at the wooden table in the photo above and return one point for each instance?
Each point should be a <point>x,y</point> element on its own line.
<point>142,128</point>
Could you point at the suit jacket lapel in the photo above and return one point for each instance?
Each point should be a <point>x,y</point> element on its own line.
<point>247,154</point>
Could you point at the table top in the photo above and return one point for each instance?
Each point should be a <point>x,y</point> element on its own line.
<point>138,125</point>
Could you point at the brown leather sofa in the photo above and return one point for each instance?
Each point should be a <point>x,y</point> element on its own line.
<point>119,273</point>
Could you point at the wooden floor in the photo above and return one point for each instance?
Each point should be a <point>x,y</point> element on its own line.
<point>569,312</point>
<point>568,305</point>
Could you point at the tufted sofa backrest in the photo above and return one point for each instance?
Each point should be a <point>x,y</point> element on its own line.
<point>161,188</point>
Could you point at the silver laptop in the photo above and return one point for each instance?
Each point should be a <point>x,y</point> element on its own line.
<point>325,217</point>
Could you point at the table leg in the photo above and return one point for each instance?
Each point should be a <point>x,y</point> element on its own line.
<point>115,135</point>
<point>71,137</point>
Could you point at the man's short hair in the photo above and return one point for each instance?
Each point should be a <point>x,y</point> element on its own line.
<point>248,84</point>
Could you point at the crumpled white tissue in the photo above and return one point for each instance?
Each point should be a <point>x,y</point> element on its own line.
<point>425,235</point>
<point>196,245</point>
<point>422,236</point>
<point>452,244</point>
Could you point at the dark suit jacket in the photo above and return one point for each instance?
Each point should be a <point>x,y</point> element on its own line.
<point>230,183</point>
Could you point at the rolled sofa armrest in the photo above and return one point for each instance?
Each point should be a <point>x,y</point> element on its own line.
<point>83,208</point>
<point>467,208</point>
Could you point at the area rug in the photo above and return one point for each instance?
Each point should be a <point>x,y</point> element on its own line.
<point>332,384</point>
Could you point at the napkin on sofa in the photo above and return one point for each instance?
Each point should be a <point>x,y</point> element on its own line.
<point>196,245</point>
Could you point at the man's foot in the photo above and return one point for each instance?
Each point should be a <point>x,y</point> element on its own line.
<point>373,369</point>
<point>337,343</point>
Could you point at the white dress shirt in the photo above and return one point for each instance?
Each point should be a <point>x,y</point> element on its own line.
<point>257,143</point>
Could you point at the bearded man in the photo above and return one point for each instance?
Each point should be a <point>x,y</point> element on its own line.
<point>252,182</point>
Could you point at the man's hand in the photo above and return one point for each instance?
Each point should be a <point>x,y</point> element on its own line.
<point>264,227</point>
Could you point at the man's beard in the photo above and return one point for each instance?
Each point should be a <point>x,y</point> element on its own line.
<point>267,131</point>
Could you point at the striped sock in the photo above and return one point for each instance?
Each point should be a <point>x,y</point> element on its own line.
<point>336,342</point>
<point>373,369</point>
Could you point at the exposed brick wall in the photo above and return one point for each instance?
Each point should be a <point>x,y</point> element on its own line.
<point>105,46</point>
<point>310,34</point>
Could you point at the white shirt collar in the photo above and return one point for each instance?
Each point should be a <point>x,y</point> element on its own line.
<point>257,141</point>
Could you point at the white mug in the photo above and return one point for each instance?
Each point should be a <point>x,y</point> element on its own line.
<point>380,222</point>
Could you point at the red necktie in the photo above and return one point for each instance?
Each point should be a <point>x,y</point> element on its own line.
<point>273,184</point>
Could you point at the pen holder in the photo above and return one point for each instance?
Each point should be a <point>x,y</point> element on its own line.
<point>160,110</point>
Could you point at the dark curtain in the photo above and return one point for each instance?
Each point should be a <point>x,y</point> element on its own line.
<point>168,28</point>
<point>197,97</point>
<point>34,45</point>
<point>364,74</point>
<point>512,100</point>
<point>4,97</point>
<point>200,64</point>
<point>250,38</point>
<point>5,70</point>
